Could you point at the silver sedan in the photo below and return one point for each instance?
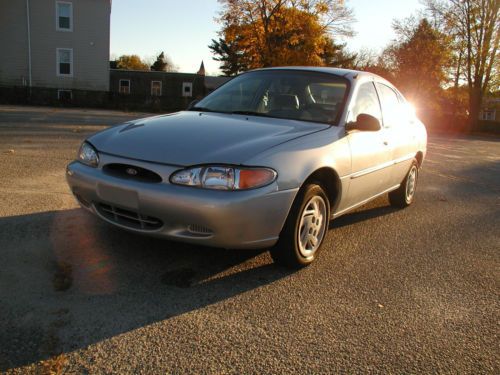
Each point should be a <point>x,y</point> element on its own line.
<point>265,161</point>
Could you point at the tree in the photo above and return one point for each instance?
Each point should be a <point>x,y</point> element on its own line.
<point>280,32</point>
<point>475,26</point>
<point>418,63</point>
<point>163,64</point>
<point>230,55</point>
<point>420,60</point>
<point>378,66</point>
<point>131,62</point>
<point>364,58</point>
<point>335,55</point>
<point>371,61</point>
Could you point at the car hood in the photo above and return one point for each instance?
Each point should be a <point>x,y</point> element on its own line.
<point>189,138</point>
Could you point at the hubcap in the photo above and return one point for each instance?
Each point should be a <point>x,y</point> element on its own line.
<point>411,183</point>
<point>312,226</point>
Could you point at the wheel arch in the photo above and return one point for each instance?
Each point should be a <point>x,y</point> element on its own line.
<point>420,158</point>
<point>329,179</point>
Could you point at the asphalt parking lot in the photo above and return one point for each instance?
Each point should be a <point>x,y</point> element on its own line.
<point>394,291</point>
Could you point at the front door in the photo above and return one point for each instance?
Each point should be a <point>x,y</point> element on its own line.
<point>399,132</point>
<point>370,154</point>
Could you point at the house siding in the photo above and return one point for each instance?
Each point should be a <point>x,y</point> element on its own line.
<point>89,41</point>
<point>13,43</point>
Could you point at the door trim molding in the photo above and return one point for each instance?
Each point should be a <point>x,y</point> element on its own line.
<point>381,166</point>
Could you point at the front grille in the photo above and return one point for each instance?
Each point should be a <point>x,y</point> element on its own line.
<point>131,172</point>
<point>128,218</point>
<point>199,230</point>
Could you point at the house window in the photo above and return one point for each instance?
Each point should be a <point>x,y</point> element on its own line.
<point>488,115</point>
<point>187,89</point>
<point>64,16</point>
<point>64,95</point>
<point>155,88</point>
<point>124,86</point>
<point>64,62</point>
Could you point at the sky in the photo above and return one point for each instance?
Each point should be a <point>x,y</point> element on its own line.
<point>184,29</point>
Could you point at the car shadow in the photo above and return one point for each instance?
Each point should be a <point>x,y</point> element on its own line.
<point>69,280</point>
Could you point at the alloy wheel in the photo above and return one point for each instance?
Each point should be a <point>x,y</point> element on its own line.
<point>411,183</point>
<point>312,226</point>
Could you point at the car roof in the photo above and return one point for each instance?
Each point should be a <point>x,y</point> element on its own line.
<point>347,73</point>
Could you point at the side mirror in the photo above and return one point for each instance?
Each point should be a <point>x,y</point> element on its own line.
<point>364,122</point>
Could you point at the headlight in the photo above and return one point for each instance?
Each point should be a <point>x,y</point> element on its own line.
<point>224,177</point>
<point>88,155</point>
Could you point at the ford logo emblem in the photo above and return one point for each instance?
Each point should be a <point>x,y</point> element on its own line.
<point>131,171</point>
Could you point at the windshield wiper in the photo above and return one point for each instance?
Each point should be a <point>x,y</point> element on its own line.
<point>200,109</point>
<point>249,113</point>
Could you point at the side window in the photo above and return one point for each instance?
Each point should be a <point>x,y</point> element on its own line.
<point>155,88</point>
<point>64,16</point>
<point>366,102</point>
<point>488,115</point>
<point>187,89</point>
<point>64,62</point>
<point>391,106</point>
<point>124,86</point>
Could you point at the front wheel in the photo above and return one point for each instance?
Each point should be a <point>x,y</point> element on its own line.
<point>405,194</point>
<point>305,228</point>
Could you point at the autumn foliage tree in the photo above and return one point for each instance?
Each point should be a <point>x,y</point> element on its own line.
<point>131,62</point>
<point>420,62</point>
<point>280,32</point>
<point>475,27</point>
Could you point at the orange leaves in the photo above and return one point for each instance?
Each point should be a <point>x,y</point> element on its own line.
<point>131,62</point>
<point>276,32</point>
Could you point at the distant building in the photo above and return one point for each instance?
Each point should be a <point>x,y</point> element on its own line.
<point>490,110</point>
<point>61,45</point>
<point>56,52</point>
<point>162,90</point>
<point>211,83</point>
<point>166,90</point>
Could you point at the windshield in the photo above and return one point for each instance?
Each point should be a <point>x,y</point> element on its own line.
<point>289,94</point>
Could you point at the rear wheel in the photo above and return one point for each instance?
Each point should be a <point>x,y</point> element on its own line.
<point>305,228</point>
<point>405,194</point>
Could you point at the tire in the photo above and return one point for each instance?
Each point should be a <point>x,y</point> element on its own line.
<point>305,228</point>
<point>405,195</point>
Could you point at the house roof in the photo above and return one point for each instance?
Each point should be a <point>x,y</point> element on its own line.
<point>214,82</point>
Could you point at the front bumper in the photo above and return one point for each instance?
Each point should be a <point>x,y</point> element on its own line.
<point>228,219</point>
